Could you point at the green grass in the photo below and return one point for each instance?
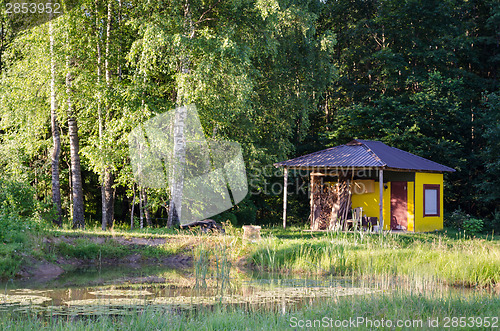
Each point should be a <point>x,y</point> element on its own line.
<point>391,306</point>
<point>449,257</point>
<point>413,258</point>
<point>138,233</point>
<point>86,250</point>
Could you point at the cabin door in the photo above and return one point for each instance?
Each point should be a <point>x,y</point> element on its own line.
<point>399,207</point>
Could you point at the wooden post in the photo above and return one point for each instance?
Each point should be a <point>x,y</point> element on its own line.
<point>381,198</point>
<point>311,199</point>
<point>285,193</point>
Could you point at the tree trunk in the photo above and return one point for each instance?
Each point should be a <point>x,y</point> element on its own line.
<point>76,174</point>
<point>132,211</point>
<point>146,209</point>
<point>2,44</point>
<point>70,181</point>
<point>119,69</point>
<point>99,106</point>
<point>56,137</point>
<point>108,200</point>
<point>141,214</point>
<point>179,157</point>
<point>177,180</point>
<point>74,143</point>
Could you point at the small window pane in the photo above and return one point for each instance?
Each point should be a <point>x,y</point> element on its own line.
<point>431,202</point>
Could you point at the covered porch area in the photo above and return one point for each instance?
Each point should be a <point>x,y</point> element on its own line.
<point>343,198</point>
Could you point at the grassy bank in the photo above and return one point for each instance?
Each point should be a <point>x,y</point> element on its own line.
<point>446,257</point>
<point>414,309</point>
<point>454,260</point>
<point>73,249</point>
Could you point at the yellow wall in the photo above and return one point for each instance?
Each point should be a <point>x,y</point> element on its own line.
<point>411,206</point>
<point>429,223</point>
<point>415,201</point>
<point>369,203</point>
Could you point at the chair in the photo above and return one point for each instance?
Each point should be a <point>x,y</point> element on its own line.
<point>357,217</point>
<point>370,223</point>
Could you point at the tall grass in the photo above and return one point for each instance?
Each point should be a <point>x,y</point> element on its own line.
<point>391,306</point>
<point>470,262</point>
<point>213,259</point>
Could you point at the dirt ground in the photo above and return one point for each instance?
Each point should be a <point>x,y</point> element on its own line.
<point>43,270</point>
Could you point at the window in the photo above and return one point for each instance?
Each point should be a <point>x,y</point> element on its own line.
<point>431,200</point>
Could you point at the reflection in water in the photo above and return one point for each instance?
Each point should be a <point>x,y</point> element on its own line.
<point>114,291</point>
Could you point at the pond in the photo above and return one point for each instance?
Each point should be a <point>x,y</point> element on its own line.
<point>121,291</point>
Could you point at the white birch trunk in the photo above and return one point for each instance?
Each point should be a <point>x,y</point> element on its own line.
<point>56,152</point>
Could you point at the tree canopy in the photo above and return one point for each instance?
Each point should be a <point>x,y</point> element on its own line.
<point>281,77</point>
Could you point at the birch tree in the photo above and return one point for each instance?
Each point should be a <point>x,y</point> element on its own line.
<point>107,185</point>
<point>56,135</point>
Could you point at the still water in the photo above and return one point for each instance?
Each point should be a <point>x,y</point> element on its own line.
<point>124,290</point>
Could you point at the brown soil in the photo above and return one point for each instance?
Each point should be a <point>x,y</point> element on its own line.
<point>43,270</point>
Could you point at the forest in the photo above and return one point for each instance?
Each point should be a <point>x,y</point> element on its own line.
<point>87,244</point>
<point>281,77</point>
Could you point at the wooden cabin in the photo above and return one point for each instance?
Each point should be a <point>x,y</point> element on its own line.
<point>385,187</point>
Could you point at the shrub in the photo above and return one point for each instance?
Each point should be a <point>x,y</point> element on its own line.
<point>17,210</point>
<point>246,212</point>
<point>226,216</point>
<point>17,198</point>
<point>456,219</point>
<point>473,225</point>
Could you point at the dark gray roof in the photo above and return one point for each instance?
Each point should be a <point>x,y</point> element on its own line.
<point>365,153</point>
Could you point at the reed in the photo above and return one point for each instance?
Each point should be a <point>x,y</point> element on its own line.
<point>469,262</point>
<point>212,260</point>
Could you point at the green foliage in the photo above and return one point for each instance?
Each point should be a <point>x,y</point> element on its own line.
<point>243,213</point>
<point>489,185</point>
<point>227,216</point>
<point>283,78</point>
<point>246,212</point>
<point>473,226</point>
<point>10,258</point>
<point>459,220</point>
<point>17,199</point>
<point>18,209</point>
<point>456,219</point>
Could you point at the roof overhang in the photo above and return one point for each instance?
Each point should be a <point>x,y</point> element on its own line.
<point>364,154</point>
<point>353,168</point>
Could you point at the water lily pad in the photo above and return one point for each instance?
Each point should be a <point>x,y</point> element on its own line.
<point>23,299</point>
<point>123,293</point>
<point>108,302</point>
<point>30,291</point>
